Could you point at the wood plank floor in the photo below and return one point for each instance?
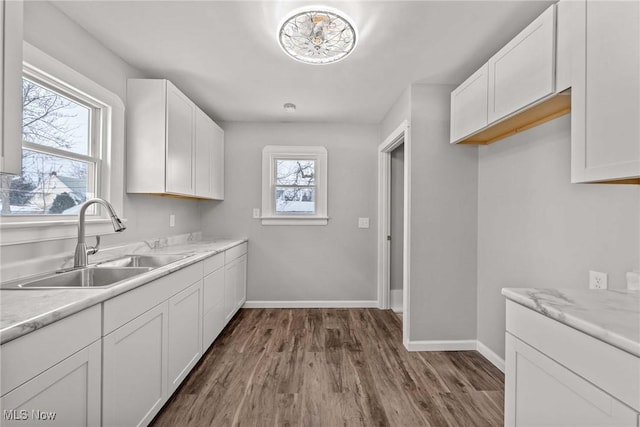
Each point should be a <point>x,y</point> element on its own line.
<point>332,367</point>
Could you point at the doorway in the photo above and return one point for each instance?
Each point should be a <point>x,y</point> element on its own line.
<point>394,226</point>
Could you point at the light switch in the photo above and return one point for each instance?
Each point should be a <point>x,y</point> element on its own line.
<point>172,220</point>
<point>256,213</point>
<point>363,222</point>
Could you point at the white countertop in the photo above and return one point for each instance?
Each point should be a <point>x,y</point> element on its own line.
<point>25,310</point>
<point>612,315</point>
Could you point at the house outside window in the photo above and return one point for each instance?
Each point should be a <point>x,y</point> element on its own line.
<point>294,185</point>
<point>61,156</point>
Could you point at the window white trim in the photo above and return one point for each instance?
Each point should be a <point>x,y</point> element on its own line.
<point>26,229</point>
<point>272,152</point>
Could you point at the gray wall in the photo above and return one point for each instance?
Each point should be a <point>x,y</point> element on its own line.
<point>535,229</point>
<point>443,223</point>
<point>397,213</point>
<point>289,263</point>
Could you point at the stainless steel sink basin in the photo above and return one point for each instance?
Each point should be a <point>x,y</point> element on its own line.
<point>153,261</point>
<point>90,277</point>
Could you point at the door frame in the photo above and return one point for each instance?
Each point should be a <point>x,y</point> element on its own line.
<point>399,136</point>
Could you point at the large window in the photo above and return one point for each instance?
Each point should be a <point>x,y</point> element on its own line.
<point>61,151</point>
<point>294,189</point>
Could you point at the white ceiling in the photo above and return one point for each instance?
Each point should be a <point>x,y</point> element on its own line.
<point>224,54</point>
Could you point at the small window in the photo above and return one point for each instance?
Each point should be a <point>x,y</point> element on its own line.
<point>61,152</point>
<point>294,187</point>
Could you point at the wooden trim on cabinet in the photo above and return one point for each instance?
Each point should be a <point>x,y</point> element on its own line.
<point>549,109</point>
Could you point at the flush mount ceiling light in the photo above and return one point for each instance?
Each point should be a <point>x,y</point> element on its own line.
<point>317,35</point>
<point>290,107</point>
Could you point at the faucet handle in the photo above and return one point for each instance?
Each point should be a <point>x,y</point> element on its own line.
<point>94,249</point>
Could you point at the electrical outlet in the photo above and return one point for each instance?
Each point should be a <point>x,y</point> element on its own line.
<point>597,280</point>
<point>172,220</point>
<point>363,222</point>
<point>256,213</point>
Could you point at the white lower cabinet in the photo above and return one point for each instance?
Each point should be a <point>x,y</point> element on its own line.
<point>541,392</point>
<point>557,376</point>
<point>67,394</point>
<point>235,285</point>
<point>214,317</point>
<point>185,333</point>
<point>135,369</point>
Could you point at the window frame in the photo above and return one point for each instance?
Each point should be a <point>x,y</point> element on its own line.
<point>17,229</point>
<point>270,154</point>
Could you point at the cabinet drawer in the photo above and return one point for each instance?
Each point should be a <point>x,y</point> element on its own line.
<point>31,354</point>
<point>126,307</point>
<point>235,252</point>
<point>583,354</point>
<point>213,263</point>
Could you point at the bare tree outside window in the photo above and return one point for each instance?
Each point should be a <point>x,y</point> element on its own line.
<point>295,187</point>
<point>56,154</point>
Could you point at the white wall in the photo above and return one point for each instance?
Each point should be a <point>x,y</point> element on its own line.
<point>535,229</point>
<point>288,263</point>
<point>443,223</point>
<point>48,29</point>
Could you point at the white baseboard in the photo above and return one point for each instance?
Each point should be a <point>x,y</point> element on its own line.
<point>311,304</point>
<point>457,345</point>
<point>453,345</point>
<point>492,357</point>
<point>395,297</point>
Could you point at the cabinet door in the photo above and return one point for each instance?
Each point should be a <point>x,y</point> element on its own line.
<point>523,71</point>
<point>214,312</point>
<point>540,392</point>
<point>605,131</point>
<point>185,333</point>
<point>235,280</point>
<point>217,164</point>
<point>241,282</point>
<point>469,105</point>
<point>11,86</point>
<point>135,369</point>
<point>205,134</point>
<point>67,394</point>
<point>180,141</point>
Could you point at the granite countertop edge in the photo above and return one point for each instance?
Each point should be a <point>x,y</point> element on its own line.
<point>81,299</point>
<point>566,307</point>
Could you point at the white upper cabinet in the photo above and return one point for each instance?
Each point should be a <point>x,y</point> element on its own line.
<point>469,105</point>
<point>516,89</point>
<point>209,170</point>
<point>11,86</point>
<point>172,146</point>
<point>605,129</point>
<point>179,142</point>
<point>523,71</point>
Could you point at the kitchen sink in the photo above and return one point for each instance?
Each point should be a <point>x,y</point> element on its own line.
<point>153,261</point>
<point>85,278</point>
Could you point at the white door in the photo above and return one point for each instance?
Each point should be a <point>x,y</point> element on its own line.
<point>66,395</point>
<point>185,333</point>
<point>542,393</point>
<point>217,164</point>
<point>205,133</point>
<point>180,155</point>
<point>135,369</point>
<point>523,71</point>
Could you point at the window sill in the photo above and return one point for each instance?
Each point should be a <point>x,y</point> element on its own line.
<point>18,232</point>
<point>294,220</point>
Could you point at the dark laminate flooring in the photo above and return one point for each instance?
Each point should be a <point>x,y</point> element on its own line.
<point>332,367</point>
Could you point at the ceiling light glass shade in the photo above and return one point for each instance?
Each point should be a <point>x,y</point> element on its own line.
<point>317,35</point>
